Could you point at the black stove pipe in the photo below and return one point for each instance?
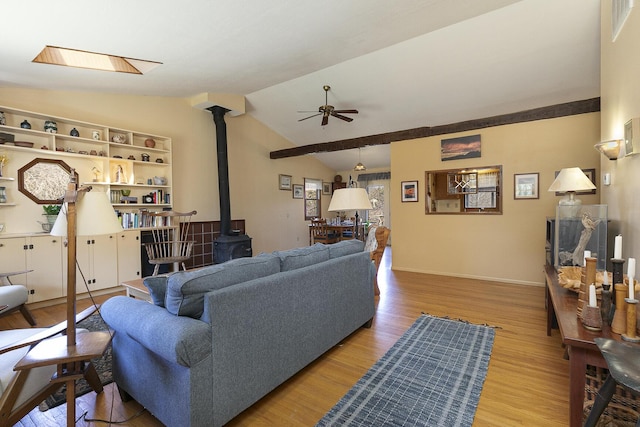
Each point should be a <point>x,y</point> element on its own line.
<point>223,169</point>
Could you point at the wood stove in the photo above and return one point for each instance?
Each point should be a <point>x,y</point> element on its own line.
<point>230,244</point>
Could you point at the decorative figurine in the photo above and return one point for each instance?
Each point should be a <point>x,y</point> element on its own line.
<point>3,120</point>
<point>74,132</point>
<point>25,125</point>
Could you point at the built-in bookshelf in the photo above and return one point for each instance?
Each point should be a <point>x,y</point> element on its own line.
<point>134,168</point>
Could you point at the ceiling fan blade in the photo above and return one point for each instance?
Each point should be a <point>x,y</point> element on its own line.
<point>341,117</point>
<point>325,119</point>
<point>346,111</point>
<point>317,114</point>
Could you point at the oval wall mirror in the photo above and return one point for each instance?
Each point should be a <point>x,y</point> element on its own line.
<point>44,180</point>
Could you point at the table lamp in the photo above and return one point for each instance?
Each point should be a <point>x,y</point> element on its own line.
<point>85,212</point>
<point>570,180</point>
<point>349,199</point>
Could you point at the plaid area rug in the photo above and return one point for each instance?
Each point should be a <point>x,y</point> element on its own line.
<point>432,376</point>
<point>103,367</point>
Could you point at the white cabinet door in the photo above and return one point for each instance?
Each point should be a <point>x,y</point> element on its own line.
<point>43,255</point>
<point>129,255</point>
<point>97,260</point>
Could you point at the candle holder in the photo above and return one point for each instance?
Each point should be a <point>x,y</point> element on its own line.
<point>606,306</point>
<point>592,319</point>
<point>618,276</point>
<point>619,322</point>
<point>630,335</point>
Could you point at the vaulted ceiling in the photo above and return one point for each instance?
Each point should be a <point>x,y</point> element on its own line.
<point>403,65</point>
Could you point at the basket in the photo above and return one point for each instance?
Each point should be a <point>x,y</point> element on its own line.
<point>622,411</point>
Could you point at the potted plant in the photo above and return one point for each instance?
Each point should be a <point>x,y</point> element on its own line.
<point>51,212</point>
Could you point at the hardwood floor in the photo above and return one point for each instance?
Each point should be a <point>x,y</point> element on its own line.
<point>527,382</point>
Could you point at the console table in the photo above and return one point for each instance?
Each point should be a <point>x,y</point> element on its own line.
<point>561,305</point>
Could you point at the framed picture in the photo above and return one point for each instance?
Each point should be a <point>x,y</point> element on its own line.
<point>298,191</point>
<point>326,188</point>
<point>526,186</point>
<point>284,182</point>
<point>591,174</point>
<point>464,147</point>
<point>409,191</point>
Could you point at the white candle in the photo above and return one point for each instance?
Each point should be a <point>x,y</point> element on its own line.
<point>587,254</point>
<point>605,278</point>
<point>631,267</point>
<point>617,247</point>
<point>593,302</point>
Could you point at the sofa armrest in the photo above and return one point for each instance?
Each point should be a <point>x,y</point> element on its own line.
<point>178,339</point>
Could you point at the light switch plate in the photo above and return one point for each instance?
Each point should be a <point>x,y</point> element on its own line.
<point>606,179</point>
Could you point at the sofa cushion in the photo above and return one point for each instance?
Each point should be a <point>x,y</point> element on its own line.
<point>293,259</point>
<point>346,247</point>
<point>186,289</point>
<point>157,286</point>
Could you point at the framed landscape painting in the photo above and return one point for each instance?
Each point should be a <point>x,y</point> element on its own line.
<point>526,186</point>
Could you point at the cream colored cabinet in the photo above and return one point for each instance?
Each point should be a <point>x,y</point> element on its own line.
<point>128,255</point>
<point>43,255</point>
<point>98,261</point>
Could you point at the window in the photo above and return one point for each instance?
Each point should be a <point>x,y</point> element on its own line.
<point>312,196</point>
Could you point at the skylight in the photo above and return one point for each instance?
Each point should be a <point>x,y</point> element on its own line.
<point>94,61</point>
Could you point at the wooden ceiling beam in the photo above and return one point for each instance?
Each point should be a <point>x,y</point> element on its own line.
<point>559,110</point>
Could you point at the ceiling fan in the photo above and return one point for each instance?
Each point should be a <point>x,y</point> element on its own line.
<point>329,110</point>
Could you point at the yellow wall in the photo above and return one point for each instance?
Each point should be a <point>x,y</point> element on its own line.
<point>511,246</point>
<point>274,219</point>
<point>620,86</point>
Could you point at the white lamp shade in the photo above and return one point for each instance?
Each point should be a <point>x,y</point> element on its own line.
<point>95,216</point>
<point>571,179</point>
<point>349,199</point>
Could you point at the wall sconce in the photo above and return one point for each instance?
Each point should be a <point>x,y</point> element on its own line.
<point>611,149</point>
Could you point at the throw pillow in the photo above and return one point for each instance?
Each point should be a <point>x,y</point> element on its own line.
<point>157,286</point>
<point>302,257</point>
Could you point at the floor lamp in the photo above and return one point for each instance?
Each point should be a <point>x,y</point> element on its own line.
<point>349,199</point>
<point>84,213</point>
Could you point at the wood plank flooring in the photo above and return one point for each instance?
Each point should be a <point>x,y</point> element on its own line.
<point>527,383</point>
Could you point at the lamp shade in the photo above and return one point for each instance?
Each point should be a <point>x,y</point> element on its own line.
<point>571,179</point>
<point>349,199</point>
<point>95,216</point>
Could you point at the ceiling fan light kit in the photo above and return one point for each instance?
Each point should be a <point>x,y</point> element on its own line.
<point>327,110</point>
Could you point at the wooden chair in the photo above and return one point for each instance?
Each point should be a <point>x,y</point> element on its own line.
<point>349,233</point>
<point>14,297</point>
<point>169,245</point>
<point>376,242</point>
<point>320,232</point>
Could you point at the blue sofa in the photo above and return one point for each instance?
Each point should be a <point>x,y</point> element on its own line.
<point>217,339</point>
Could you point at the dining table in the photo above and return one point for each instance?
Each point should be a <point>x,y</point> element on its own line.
<point>339,229</point>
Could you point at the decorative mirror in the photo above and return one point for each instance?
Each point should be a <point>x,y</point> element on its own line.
<point>464,191</point>
<point>44,180</point>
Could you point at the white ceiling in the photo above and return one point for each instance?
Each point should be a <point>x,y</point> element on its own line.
<point>402,64</point>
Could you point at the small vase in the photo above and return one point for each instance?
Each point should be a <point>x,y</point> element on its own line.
<point>25,125</point>
<point>3,120</point>
<point>50,126</point>
<point>74,132</point>
<point>3,195</point>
